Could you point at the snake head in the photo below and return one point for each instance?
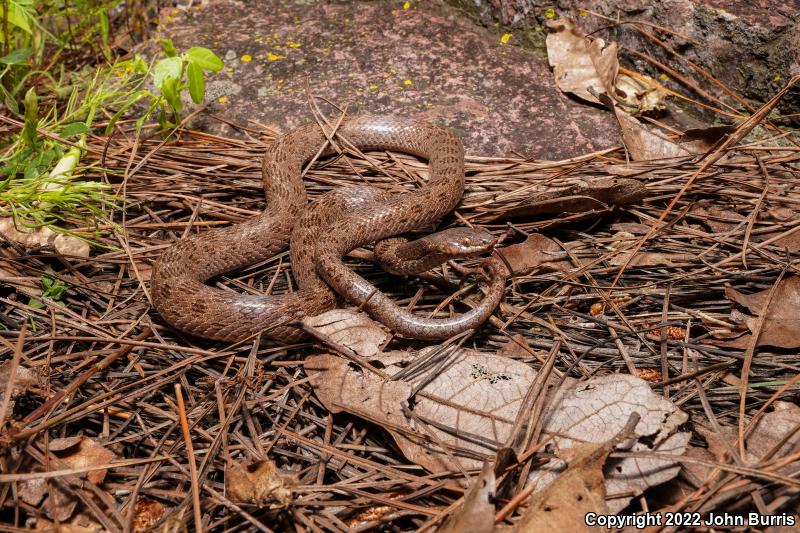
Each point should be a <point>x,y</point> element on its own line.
<point>461,242</point>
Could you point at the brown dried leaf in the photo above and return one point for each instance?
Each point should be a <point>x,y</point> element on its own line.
<point>470,406</point>
<point>80,524</point>
<point>573,67</point>
<point>586,68</point>
<point>24,378</point>
<point>771,429</point>
<point>719,219</point>
<point>597,410</point>
<point>515,347</point>
<point>353,329</point>
<point>259,483</point>
<point>476,513</point>
<point>581,198</point>
<point>642,143</point>
<point>536,250</point>
<point>782,325</point>
<point>562,505</point>
<point>82,452</point>
<point>477,394</point>
<point>72,452</point>
<point>703,140</point>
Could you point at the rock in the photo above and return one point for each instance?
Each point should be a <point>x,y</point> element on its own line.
<point>752,46</point>
<point>428,61</point>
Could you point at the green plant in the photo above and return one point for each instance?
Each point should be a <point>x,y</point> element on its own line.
<point>52,289</point>
<point>174,73</point>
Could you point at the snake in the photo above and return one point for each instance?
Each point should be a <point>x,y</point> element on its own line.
<point>321,234</point>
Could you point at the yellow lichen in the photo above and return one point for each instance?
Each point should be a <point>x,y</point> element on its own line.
<point>550,13</point>
<point>293,44</point>
<point>374,87</point>
<point>408,83</point>
<point>505,38</point>
<point>222,99</point>
<point>406,5</point>
<point>663,77</point>
<point>274,57</point>
<point>246,58</point>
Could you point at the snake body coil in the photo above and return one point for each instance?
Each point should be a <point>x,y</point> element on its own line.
<point>319,236</point>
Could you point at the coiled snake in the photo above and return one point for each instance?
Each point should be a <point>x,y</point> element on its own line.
<point>319,237</point>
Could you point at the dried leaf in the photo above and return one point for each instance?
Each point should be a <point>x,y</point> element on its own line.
<point>581,198</point>
<point>782,325</point>
<point>82,452</point>
<point>41,237</point>
<point>470,405</point>
<point>589,67</point>
<point>564,503</point>
<point>476,513</point>
<point>703,140</point>
<point>573,67</point>
<point>536,250</point>
<point>24,378</point>
<point>259,483</point>
<point>84,525</point>
<point>641,93</point>
<point>476,395</point>
<point>72,452</point>
<point>596,410</point>
<point>779,426</point>
<point>516,347</point>
<point>353,329</point>
<point>642,143</point>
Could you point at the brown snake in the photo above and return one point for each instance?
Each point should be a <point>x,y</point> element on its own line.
<point>340,221</point>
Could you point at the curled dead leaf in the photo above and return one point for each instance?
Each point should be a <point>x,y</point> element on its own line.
<point>563,504</point>
<point>537,250</point>
<point>588,67</point>
<point>259,483</point>
<point>81,452</point>
<point>355,330</point>
<point>781,326</point>
<point>476,513</point>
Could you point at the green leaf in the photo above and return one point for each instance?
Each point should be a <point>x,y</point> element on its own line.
<point>166,69</point>
<point>197,83</point>
<point>171,91</point>
<point>17,15</point>
<point>169,48</point>
<point>74,129</point>
<point>31,118</point>
<point>104,26</point>
<point>17,57</point>
<point>10,101</point>
<point>204,58</point>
